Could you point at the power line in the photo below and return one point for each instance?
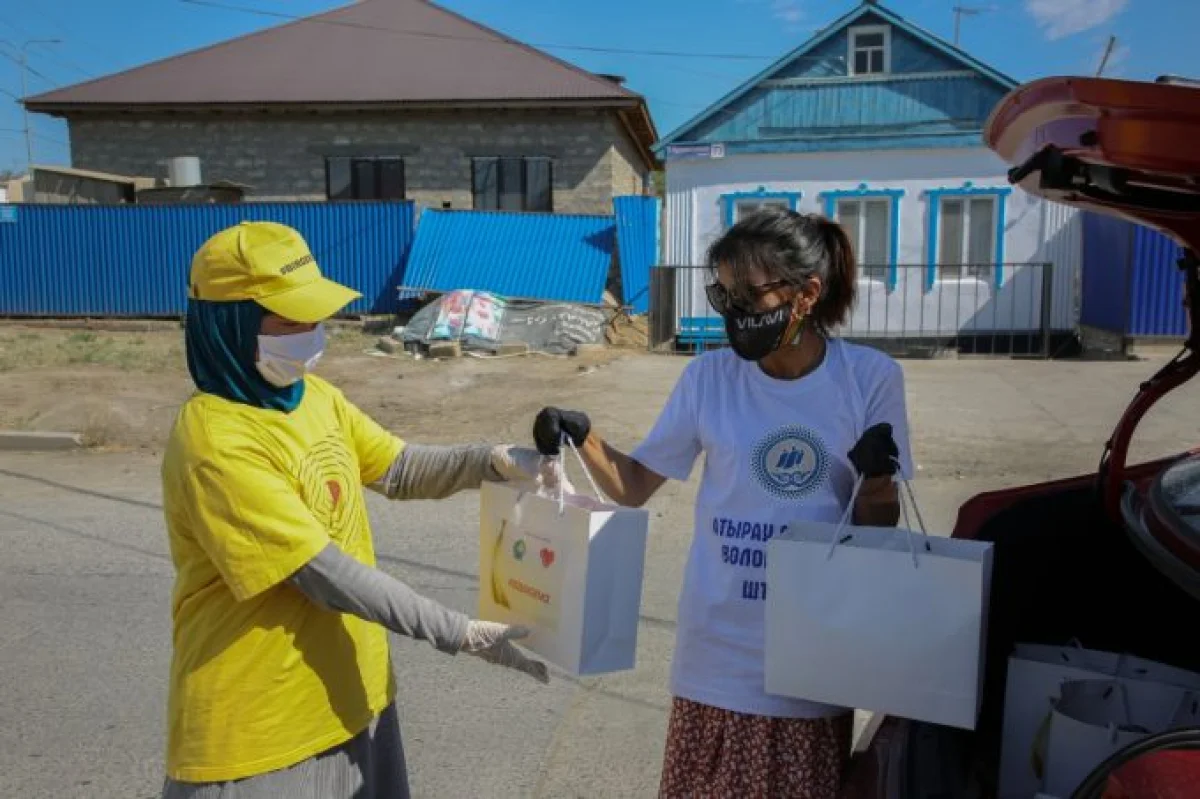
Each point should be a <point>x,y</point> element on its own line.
<point>92,45</point>
<point>36,135</point>
<point>27,68</point>
<point>72,65</point>
<point>455,37</point>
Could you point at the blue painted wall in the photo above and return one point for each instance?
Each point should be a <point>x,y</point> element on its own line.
<point>941,105</point>
<point>931,98</point>
<point>75,260</point>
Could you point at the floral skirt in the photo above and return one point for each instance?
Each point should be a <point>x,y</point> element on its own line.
<point>719,753</point>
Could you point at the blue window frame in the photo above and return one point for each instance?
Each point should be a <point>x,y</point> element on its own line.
<point>863,239</point>
<point>935,259</point>
<point>731,202</point>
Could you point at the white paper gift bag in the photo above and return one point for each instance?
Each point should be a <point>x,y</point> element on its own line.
<point>1035,673</point>
<point>569,569</point>
<point>876,618</point>
<point>1094,719</point>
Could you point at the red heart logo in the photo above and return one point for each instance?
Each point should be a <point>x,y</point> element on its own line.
<point>547,557</point>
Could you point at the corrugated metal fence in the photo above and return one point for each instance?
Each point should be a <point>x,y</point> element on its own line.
<point>638,221</point>
<point>523,255</point>
<point>1131,280</point>
<point>133,261</point>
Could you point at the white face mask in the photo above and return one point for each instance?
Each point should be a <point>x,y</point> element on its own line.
<point>284,360</point>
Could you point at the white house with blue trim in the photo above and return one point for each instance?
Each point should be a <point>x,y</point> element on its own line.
<point>878,124</point>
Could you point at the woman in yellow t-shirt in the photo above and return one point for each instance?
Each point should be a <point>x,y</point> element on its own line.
<point>281,681</point>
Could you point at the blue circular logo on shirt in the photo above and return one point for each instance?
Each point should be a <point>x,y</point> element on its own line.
<point>790,463</point>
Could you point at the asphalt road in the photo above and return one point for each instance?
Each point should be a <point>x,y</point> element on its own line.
<point>85,584</point>
<point>85,641</point>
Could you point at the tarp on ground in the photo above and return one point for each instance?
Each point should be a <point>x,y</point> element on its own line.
<point>557,257</point>
<point>482,321</point>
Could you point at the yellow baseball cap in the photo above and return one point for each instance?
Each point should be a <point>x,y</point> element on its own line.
<point>270,264</point>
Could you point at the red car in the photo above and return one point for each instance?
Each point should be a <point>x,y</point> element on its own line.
<point>1111,558</point>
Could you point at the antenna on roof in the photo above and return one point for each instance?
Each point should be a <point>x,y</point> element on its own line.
<point>967,11</point>
<point>1108,51</point>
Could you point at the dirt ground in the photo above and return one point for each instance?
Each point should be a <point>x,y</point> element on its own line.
<point>988,419</point>
<point>122,389</point>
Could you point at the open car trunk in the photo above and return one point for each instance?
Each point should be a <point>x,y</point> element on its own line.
<point>1062,569</point>
<point>1111,559</point>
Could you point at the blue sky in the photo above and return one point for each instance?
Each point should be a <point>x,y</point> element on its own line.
<point>1024,38</point>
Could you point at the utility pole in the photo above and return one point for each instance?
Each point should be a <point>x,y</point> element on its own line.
<point>966,11</point>
<point>21,59</point>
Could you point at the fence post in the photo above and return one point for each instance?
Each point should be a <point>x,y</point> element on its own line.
<point>1047,307</point>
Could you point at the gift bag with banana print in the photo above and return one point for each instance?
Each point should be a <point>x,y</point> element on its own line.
<point>567,566</point>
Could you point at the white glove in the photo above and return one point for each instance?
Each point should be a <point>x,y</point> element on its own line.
<point>516,464</point>
<point>493,642</point>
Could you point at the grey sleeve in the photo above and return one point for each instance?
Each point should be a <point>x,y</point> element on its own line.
<point>337,582</point>
<point>425,472</point>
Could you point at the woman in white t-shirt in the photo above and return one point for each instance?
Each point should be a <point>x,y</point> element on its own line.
<point>785,419</point>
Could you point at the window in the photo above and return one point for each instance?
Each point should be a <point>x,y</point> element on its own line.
<point>512,184</point>
<point>870,50</point>
<point>743,208</point>
<point>871,219</point>
<point>868,223</point>
<point>364,178</point>
<point>967,237</point>
<point>738,205</point>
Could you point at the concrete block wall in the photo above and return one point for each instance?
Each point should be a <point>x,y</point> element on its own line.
<point>628,170</point>
<point>282,155</point>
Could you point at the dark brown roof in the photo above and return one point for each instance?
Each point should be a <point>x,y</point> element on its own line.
<point>375,51</point>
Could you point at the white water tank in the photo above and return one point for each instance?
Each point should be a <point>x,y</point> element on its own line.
<point>183,171</point>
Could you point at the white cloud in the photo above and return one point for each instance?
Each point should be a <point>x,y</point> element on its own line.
<point>788,11</point>
<point>1061,18</point>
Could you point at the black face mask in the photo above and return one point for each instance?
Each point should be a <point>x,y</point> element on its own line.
<point>755,335</point>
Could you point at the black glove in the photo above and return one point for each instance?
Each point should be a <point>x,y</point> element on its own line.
<point>876,452</point>
<point>552,424</point>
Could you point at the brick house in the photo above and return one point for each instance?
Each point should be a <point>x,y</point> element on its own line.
<point>383,99</point>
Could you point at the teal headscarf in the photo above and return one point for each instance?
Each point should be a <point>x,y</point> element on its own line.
<point>222,344</point>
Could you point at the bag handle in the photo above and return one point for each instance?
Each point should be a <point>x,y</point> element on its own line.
<point>848,514</point>
<point>561,472</point>
<point>1077,645</point>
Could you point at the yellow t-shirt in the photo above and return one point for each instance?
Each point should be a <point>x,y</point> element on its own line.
<point>262,678</point>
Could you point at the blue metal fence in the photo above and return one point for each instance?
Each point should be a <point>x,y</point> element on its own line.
<point>1131,280</point>
<point>637,246</point>
<point>58,260</point>
<point>530,256</point>
<point>1156,286</point>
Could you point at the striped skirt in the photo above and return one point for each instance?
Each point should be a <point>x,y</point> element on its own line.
<point>714,753</point>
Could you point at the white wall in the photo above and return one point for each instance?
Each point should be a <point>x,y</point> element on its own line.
<point>1036,231</point>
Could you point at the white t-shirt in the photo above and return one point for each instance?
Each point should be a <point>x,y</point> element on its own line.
<point>775,451</point>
